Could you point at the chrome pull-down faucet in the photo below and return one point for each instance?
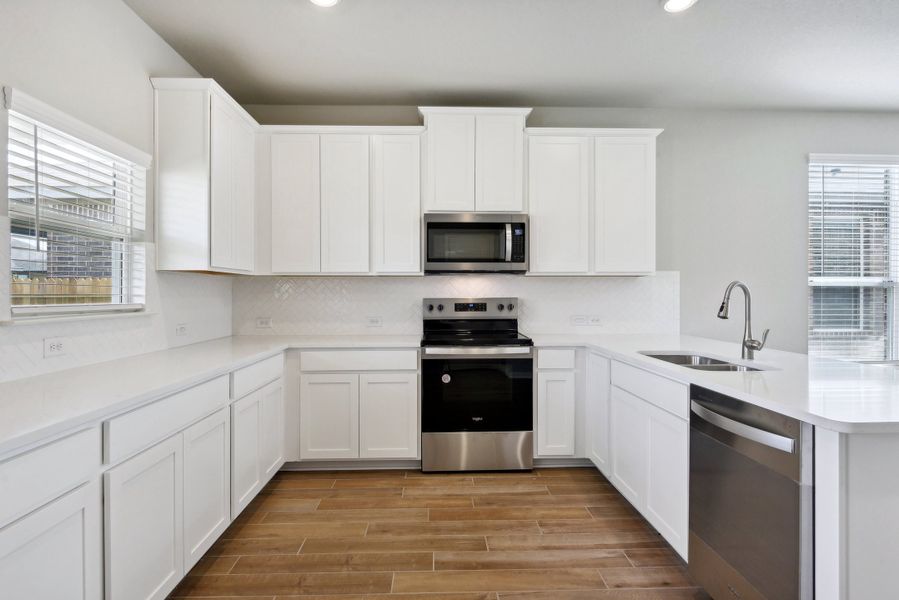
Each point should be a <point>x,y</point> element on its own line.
<point>749,346</point>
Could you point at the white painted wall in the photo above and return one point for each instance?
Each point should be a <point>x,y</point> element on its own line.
<point>93,59</point>
<point>731,197</point>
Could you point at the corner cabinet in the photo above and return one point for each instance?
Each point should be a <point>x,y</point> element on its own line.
<point>345,201</point>
<point>475,159</point>
<point>591,198</point>
<point>205,178</point>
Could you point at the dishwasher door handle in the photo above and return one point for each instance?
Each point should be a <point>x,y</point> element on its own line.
<point>766,438</point>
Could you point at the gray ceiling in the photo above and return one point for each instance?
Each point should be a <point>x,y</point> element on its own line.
<point>827,54</point>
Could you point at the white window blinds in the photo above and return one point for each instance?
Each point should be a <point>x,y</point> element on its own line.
<point>74,210</point>
<point>853,257</point>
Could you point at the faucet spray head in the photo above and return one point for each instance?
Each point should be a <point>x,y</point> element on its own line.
<point>722,312</point>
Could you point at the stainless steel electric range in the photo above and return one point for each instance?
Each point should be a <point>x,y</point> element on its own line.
<point>476,386</point>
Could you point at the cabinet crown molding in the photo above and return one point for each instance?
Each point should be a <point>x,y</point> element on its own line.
<point>592,131</point>
<point>474,110</point>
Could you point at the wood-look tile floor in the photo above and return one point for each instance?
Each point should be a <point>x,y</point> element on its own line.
<point>554,534</point>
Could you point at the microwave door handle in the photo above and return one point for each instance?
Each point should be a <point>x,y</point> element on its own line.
<point>508,242</point>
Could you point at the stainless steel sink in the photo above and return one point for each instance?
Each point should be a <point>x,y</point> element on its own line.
<point>698,362</point>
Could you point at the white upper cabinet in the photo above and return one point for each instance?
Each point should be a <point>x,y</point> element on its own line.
<point>475,159</point>
<point>625,222</point>
<point>591,194</point>
<point>559,202</point>
<point>499,163</point>
<point>345,200</point>
<point>396,203</point>
<point>344,203</point>
<point>205,178</point>
<point>296,207</point>
<point>449,179</point>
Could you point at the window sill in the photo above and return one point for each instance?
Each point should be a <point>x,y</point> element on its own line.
<point>61,315</point>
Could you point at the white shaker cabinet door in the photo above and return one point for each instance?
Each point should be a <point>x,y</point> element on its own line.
<point>396,203</point>
<point>272,433</point>
<point>344,203</point>
<point>630,446</point>
<point>55,553</point>
<point>499,170</point>
<point>232,188</point>
<point>598,427</point>
<point>555,413</point>
<point>559,204</point>
<point>207,484</point>
<point>329,416</point>
<point>296,209</point>
<point>450,166</point>
<point>667,504</point>
<point>246,451</point>
<point>388,415</point>
<point>144,523</point>
<point>625,204</point>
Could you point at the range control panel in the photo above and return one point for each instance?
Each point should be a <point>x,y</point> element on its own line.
<point>470,308</point>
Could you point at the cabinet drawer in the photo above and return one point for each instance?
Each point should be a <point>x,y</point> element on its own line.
<point>360,360</point>
<point>133,431</point>
<point>35,478</point>
<point>555,359</point>
<point>666,394</point>
<point>248,379</point>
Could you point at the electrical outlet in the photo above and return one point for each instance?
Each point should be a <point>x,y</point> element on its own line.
<point>373,321</point>
<point>263,323</point>
<point>578,320</point>
<point>181,329</point>
<point>595,320</point>
<point>55,347</point>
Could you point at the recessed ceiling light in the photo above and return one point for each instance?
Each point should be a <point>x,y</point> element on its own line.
<point>672,6</point>
<point>327,3</point>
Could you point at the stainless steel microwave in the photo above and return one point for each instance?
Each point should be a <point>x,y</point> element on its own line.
<point>475,243</point>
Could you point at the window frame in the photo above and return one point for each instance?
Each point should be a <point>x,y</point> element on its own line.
<point>862,282</point>
<point>55,120</point>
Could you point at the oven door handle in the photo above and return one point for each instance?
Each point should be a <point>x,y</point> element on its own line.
<point>766,438</point>
<point>466,352</point>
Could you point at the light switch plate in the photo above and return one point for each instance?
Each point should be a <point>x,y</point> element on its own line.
<point>181,329</point>
<point>373,322</point>
<point>263,322</point>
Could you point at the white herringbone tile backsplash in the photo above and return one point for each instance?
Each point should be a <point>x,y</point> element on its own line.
<point>202,302</point>
<point>342,305</point>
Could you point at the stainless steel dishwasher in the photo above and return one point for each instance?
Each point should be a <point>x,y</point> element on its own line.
<point>751,500</point>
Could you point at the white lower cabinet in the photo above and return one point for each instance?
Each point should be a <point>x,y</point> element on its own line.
<point>556,403</point>
<point>630,446</point>
<point>246,457</point>
<point>358,415</point>
<point>272,434</point>
<point>257,442</point>
<point>388,415</point>
<point>650,449</point>
<point>668,491</point>
<point>144,523</point>
<point>56,553</point>
<point>207,484</point>
<point>329,416</point>
<point>598,412</point>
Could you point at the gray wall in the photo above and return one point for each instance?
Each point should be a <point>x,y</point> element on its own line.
<point>731,196</point>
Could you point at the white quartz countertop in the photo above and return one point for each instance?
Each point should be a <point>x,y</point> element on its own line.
<point>842,396</point>
<point>845,397</point>
<point>37,408</point>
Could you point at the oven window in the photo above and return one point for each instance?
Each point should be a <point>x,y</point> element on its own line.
<point>471,242</point>
<point>483,394</point>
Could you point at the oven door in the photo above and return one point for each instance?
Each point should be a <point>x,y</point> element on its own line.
<point>477,389</point>
<point>475,243</point>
